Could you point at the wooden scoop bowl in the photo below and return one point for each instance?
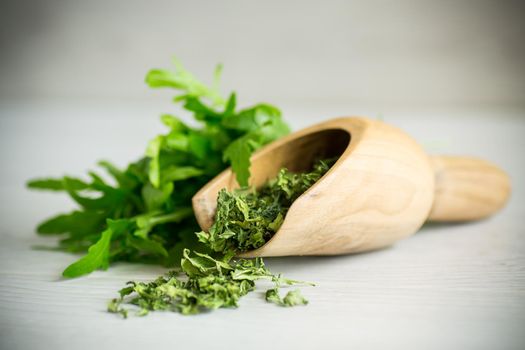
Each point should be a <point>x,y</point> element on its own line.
<point>381,189</point>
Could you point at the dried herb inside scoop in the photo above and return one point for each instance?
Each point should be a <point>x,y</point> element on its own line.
<point>245,219</point>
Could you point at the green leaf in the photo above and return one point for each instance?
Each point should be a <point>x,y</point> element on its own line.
<point>122,178</point>
<point>56,184</point>
<point>272,296</point>
<point>77,223</point>
<point>155,198</point>
<point>252,270</point>
<point>238,154</point>
<point>153,151</point>
<point>272,131</point>
<point>199,145</point>
<point>202,112</point>
<point>146,222</point>
<point>251,119</point>
<point>108,197</point>
<point>183,80</point>
<point>98,254</point>
<point>176,141</point>
<point>263,124</point>
<point>147,245</point>
<point>202,264</point>
<point>177,215</point>
<point>230,105</point>
<point>177,173</point>
<point>174,123</point>
<point>292,298</point>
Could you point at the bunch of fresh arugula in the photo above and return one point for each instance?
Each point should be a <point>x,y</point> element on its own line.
<point>145,215</point>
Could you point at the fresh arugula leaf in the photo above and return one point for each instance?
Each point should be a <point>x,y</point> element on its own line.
<point>202,112</point>
<point>177,173</point>
<point>262,124</point>
<point>199,145</point>
<point>109,197</point>
<point>123,179</point>
<point>56,184</point>
<point>238,154</point>
<point>176,141</point>
<point>147,245</point>
<point>145,223</point>
<point>155,198</point>
<point>175,124</point>
<point>251,119</point>
<point>98,254</point>
<point>153,152</point>
<point>229,110</point>
<point>183,80</point>
<point>77,223</point>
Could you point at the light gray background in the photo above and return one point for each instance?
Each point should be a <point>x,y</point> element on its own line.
<point>380,53</point>
<point>451,73</point>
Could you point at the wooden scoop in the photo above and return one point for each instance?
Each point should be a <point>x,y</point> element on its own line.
<point>381,189</point>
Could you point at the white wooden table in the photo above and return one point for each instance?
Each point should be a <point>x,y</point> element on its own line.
<point>447,287</point>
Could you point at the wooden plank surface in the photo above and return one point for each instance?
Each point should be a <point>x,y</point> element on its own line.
<point>448,287</point>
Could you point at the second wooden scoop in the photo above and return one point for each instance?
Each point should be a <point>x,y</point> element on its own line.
<point>381,189</point>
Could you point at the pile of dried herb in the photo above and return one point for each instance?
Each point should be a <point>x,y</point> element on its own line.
<point>203,284</point>
<point>245,219</point>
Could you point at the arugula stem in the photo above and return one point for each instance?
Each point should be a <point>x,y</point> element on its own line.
<point>176,216</point>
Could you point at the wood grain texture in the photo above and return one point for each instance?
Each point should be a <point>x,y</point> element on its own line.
<point>467,189</point>
<point>380,190</point>
<point>454,287</point>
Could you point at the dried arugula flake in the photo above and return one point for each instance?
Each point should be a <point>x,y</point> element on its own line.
<point>292,298</point>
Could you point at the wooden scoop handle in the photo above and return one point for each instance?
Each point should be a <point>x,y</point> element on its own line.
<point>467,189</point>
